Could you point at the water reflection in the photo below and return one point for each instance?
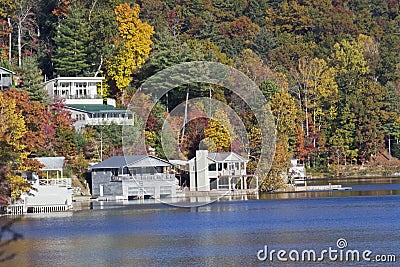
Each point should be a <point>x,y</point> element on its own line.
<point>228,232</point>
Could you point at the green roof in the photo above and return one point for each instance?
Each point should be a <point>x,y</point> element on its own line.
<point>97,108</point>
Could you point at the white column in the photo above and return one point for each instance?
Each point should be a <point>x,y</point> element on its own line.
<point>101,190</point>
<point>256,181</point>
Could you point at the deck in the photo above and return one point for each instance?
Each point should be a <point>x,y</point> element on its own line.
<point>49,195</point>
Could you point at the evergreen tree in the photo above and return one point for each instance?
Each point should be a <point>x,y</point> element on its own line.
<point>263,42</point>
<point>256,11</point>
<point>31,79</point>
<point>71,42</point>
<point>103,28</point>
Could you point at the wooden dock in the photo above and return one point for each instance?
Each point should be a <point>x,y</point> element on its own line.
<point>329,187</point>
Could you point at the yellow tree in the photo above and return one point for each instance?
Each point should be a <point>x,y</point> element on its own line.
<point>285,111</point>
<point>133,44</point>
<point>12,154</point>
<point>220,133</point>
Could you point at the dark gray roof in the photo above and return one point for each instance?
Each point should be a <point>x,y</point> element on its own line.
<point>222,156</point>
<point>52,163</point>
<point>130,160</point>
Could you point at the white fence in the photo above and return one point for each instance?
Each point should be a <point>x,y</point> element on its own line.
<point>19,209</point>
<point>56,182</point>
<point>144,177</point>
<point>15,209</point>
<point>47,209</point>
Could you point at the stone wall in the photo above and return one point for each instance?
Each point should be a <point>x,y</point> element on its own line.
<point>109,188</point>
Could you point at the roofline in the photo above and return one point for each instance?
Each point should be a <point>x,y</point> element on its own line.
<point>231,152</point>
<point>75,79</point>
<point>92,112</point>
<point>7,70</point>
<point>166,161</point>
<point>147,155</point>
<point>126,165</point>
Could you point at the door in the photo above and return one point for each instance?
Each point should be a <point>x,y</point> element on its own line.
<point>101,190</point>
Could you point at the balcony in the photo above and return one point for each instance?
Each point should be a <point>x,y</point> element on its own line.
<point>231,172</point>
<point>65,182</point>
<point>144,177</point>
<point>105,121</point>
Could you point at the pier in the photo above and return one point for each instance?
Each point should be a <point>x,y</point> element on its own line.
<point>328,187</point>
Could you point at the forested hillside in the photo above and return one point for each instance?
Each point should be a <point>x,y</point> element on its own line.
<point>329,69</point>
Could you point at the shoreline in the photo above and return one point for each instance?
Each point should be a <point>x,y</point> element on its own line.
<point>365,176</point>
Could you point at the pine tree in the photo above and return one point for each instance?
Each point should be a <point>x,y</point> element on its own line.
<point>31,78</point>
<point>71,42</point>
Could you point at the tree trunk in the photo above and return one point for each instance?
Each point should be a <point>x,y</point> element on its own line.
<point>9,40</point>
<point>19,44</point>
<point>306,109</point>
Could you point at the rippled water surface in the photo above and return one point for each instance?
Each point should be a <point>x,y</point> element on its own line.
<point>224,233</point>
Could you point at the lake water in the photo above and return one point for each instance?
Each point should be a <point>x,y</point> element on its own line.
<point>224,233</point>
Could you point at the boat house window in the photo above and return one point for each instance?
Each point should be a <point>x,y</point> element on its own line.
<point>212,167</point>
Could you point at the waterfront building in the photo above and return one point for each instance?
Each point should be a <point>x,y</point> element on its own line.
<point>49,194</point>
<point>297,172</point>
<point>218,170</point>
<point>133,176</point>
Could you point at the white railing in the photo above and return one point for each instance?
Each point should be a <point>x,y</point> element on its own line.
<point>101,121</point>
<point>47,209</point>
<point>231,172</point>
<point>16,209</point>
<point>83,96</point>
<point>145,177</point>
<point>56,182</point>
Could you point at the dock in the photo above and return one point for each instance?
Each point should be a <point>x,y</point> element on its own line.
<point>328,187</point>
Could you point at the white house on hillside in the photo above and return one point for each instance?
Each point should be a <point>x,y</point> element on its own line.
<point>83,97</point>
<point>76,90</point>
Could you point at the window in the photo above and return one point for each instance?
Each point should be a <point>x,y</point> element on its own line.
<point>149,170</point>
<point>212,167</point>
<point>80,117</point>
<point>80,85</point>
<point>231,166</point>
